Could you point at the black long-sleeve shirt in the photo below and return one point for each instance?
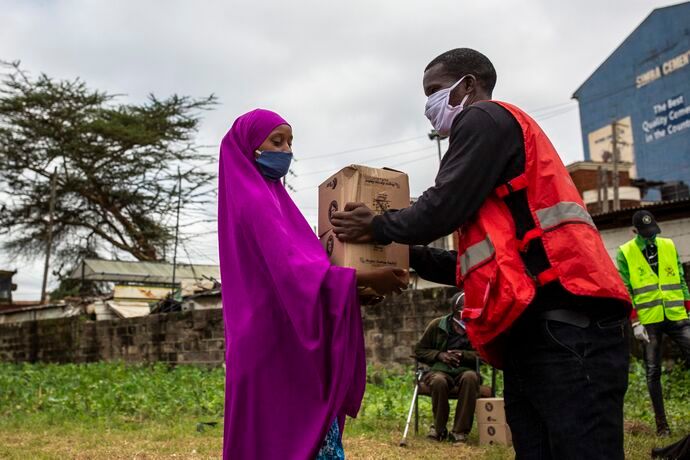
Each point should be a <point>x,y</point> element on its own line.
<point>486,150</point>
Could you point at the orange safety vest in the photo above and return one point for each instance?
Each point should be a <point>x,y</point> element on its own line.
<point>498,287</point>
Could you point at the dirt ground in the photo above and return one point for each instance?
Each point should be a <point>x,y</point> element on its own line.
<point>163,442</point>
<point>184,441</point>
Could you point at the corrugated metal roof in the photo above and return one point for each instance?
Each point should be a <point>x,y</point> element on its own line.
<point>662,210</point>
<point>125,309</point>
<point>648,206</point>
<point>16,307</point>
<point>148,272</point>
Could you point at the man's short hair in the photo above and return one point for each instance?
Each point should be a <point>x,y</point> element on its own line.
<point>463,61</point>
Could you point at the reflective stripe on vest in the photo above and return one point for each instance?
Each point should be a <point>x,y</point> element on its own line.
<point>650,304</point>
<point>561,213</point>
<point>475,255</point>
<point>655,296</point>
<point>553,216</point>
<point>675,303</point>
<point>671,287</point>
<point>645,289</point>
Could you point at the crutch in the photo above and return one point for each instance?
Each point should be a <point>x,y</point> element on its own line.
<point>418,376</point>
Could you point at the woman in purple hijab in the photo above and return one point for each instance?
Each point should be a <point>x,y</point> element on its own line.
<point>294,356</point>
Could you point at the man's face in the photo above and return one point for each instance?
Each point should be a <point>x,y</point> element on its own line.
<point>645,236</point>
<point>436,78</point>
<point>650,237</point>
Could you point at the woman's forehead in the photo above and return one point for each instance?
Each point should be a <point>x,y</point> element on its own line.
<point>284,129</point>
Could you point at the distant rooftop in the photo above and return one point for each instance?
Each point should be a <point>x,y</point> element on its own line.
<point>141,272</point>
<point>30,305</point>
<point>594,165</point>
<point>662,210</point>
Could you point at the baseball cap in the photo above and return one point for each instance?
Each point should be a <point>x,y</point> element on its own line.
<point>645,224</point>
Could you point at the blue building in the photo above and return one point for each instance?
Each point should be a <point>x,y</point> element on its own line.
<point>642,91</point>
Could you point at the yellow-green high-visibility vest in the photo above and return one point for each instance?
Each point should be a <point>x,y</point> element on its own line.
<point>655,296</point>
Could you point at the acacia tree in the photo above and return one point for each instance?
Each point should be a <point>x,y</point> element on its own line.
<point>116,165</point>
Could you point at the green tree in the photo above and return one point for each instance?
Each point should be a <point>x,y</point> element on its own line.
<point>117,167</point>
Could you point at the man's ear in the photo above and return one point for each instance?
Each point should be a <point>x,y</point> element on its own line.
<point>470,83</point>
<point>467,86</point>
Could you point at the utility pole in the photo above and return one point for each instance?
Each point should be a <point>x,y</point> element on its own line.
<point>600,184</point>
<point>605,198</point>
<point>177,230</point>
<point>616,159</point>
<point>434,135</point>
<point>605,181</point>
<point>49,238</point>
<point>289,187</point>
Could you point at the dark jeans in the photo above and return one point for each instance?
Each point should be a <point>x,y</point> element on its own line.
<point>679,332</point>
<point>564,389</point>
<point>441,384</point>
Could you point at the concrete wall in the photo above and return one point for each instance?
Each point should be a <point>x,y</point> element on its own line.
<point>393,327</point>
<point>187,337</point>
<point>196,337</point>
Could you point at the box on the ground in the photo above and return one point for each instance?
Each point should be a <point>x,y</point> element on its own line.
<point>494,433</point>
<point>380,190</point>
<point>490,410</point>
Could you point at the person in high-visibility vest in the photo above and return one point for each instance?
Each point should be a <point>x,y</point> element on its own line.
<point>653,274</point>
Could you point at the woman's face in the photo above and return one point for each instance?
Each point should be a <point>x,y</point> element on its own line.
<point>280,140</point>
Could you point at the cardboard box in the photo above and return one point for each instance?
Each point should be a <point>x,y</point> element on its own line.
<point>380,190</point>
<point>491,410</point>
<point>364,256</point>
<point>495,433</point>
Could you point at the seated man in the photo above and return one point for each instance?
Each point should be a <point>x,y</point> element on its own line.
<point>446,348</point>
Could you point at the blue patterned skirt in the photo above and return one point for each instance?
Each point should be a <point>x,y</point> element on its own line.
<point>332,448</point>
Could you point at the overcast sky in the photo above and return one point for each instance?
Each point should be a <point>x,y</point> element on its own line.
<point>346,75</point>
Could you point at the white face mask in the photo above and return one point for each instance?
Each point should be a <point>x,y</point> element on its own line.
<point>440,113</point>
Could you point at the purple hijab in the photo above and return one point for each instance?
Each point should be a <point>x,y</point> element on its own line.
<point>293,331</point>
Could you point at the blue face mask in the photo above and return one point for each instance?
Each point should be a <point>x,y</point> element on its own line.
<point>274,165</point>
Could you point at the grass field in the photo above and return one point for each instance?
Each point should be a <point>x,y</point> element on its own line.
<point>109,410</point>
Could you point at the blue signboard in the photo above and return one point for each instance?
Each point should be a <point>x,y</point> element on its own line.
<point>644,88</point>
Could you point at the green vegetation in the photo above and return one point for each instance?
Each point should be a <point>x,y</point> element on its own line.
<point>117,410</point>
<point>676,384</point>
<point>109,392</point>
